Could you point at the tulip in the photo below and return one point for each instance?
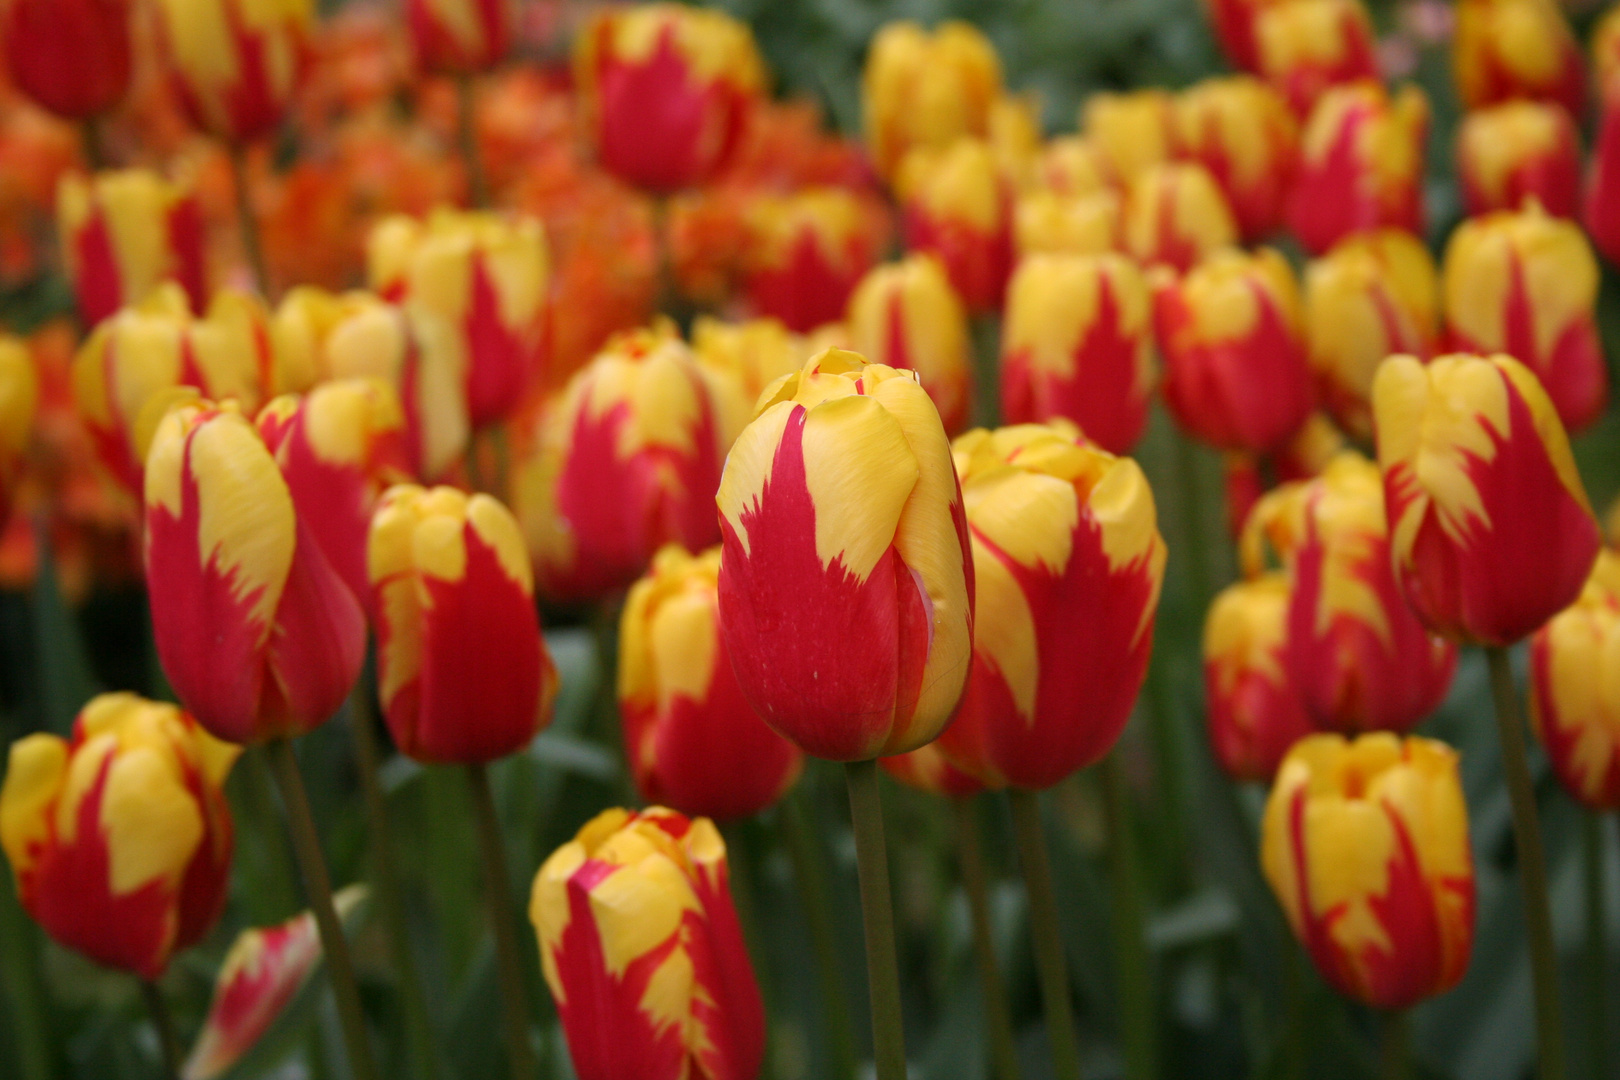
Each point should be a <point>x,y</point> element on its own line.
<point>462,670</point>
<point>906,315</point>
<point>1254,708</point>
<point>628,459</point>
<point>1360,164</point>
<point>1305,47</point>
<point>1373,295</point>
<point>642,950</point>
<point>805,253</point>
<point>926,89</point>
<point>1234,25</point>
<point>1068,565</point>
<point>958,206</point>
<point>486,279</point>
<point>1575,688</point>
<point>1130,132</point>
<point>749,355</point>
<point>1527,284</point>
<point>1071,165</point>
<point>236,63</point>
<point>19,398</point>
<point>1507,49</point>
<point>459,37</point>
<point>1046,222</point>
<point>1479,484</point>
<point>666,91</point>
<point>1600,205</point>
<point>1365,844</point>
<point>257,633</point>
<point>1078,343</point>
<point>111,247</point>
<point>692,739</point>
<point>1015,137</point>
<point>928,769</point>
<point>120,836</point>
<point>1176,215</point>
<point>1241,131</point>
<point>71,56</point>
<point>846,582</point>
<point>1605,50</point>
<point>1518,150</point>
<point>1236,373</point>
<point>1304,456</point>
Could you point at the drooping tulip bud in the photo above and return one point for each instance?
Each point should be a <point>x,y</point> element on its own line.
<point>257,633</point>
<point>1360,164</point>
<point>1071,165</point>
<point>906,315</point>
<point>846,581</point>
<point>120,836</point>
<point>1130,132</point>
<point>459,37</point>
<point>643,952</point>
<point>1234,25</point>
<point>926,89</point>
<point>1233,342</point>
<point>1306,47</point>
<point>1068,564</point>
<point>1255,712</point>
<point>806,251</point>
<point>1519,150</point>
<point>1479,483</point>
<point>1176,216</point>
<point>1575,688</point>
<point>1507,49</point>
<point>71,56</point>
<point>958,207</point>
<point>1078,343</point>
<point>236,63</point>
<point>693,741</point>
<point>1526,284</point>
<point>1365,844</point>
<point>1046,222</point>
<point>19,397</point>
<point>1241,131</point>
<point>122,233</point>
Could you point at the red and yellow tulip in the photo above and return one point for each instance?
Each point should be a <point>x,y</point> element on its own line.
<point>1071,165</point>
<point>1254,710</point>
<point>958,206</point>
<point>236,63</point>
<point>750,355</point>
<point>1242,131</point>
<point>1519,150</point>
<point>459,36</point>
<point>806,251</point>
<point>1507,49</point>
<point>1130,132</point>
<point>928,769</point>
<point>926,89</point>
<point>1600,202</point>
<point>1049,222</point>
<point>72,56</point>
<point>1234,25</point>
<point>19,400</point>
<point>1575,688</point>
<point>906,315</point>
<point>1176,216</point>
<point>124,231</point>
<point>1306,47</point>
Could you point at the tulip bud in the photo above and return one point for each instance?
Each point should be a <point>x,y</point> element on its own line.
<point>928,769</point>
<point>906,315</point>
<point>1360,164</point>
<point>926,89</point>
<point>1527,284</point>
<point>1507,49</point>
<point>120,837</point>
<point>1306,47</point>
<point>643,952</point>
<point>958,207</point>
<point>236,63</point>
<point>71,56</point>
<point>628,460</point>
<point>1365,844</point>
<point>846,583</point>
<point>806,251</point>
<point>1176,215</point>
<point>459,37</point>
<point>1255,712</point>
<point>1479,483</point>
<point>1130,132</point>
<point>486,278</point>
<point>1575,688</point>
<point>122,233</point>
<point>1234,25</point>
<point>1231,334</point>
<point>1071,165</point>
<point>692,739</point>
<point>1373,295</point>
<point>1046,222</point>
<point>666,90</point>
<point>1519,150</point>
<point>1078,343</point>
<point>257,633</point>
<point>19,397</point>
<point>1241,131</point>
<point>1068,564</point>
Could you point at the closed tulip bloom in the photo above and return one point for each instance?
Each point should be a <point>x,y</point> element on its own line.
<point>667,90</point>
<point>643,952</point>
<point>1078,343</point>
<point>1506,49</point>
<point>1046,222</point>
<point>124,231</point>
<point>906,315</point>
<point>750,355</point>
<point>459,36</point>
<point>257,633</point>
<point>928,769</point>
<point>462,671</point>
<point>1232,337</point>
<point>1241,131</point>
<point>1254,710</point>
<point>1519,150</point>
<point>1071,165</point>
<point>805,253</point>
<point>1575,688</point>
<point>958,207</point>
<point>71,56</point>
<point>1131,132</point>
<point>483,275</point>
<point>120,836</point>
<point>1526,284</point>
<point>693,741</point>
<point>1365,843</point>
<point>1234,25</point>
<point>1373,295</point>
<point>19,397</point>
<point>236,63</point>
<point>846,583</point>
<point>1176,216</point>
<point>1360,164</point>
<point>1479,484</point>
<point>926,89</point>
<point>1600,204</point>
<point>1308,46</point>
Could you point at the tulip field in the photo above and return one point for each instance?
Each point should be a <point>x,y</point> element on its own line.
<point>809,540</point>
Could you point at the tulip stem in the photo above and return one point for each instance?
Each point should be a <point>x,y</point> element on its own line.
<point>1050,958</point>
<point>318,888</point>
<point>498,893</point>
<point>95,149</point>
<point>467,140</point>
<point>1130,954</point>
<point>22,983</point>
<point>882,965</point>
<point>742,899</point>
<point>809,859</point>
<point>1597,945</point>
<point>248,221</point>
<point>975,882</point>
<point>1395,1045</point>
<point>168,1041</point>
<point>1532,864</point>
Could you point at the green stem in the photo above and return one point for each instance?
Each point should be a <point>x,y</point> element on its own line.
<point>248,221</point>
<point>1532,865</point>
<point>168,1041</point>
<point>508,960</point>
<point>318,887</point>
<point>970,856</point>
<point>1395,1046</point>
<point>1050,958</point>
<point>95,148</point>
<point>809,869</point>
<point>1130,953</point>
<point>467,141</point>
<point>20,977</point>
<point>882,966</point>
<point>1597,946</point>
<point>1296,986</point>
<point>1197,543</point>
<point>742,898</point>
<point>986,345</point>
